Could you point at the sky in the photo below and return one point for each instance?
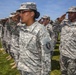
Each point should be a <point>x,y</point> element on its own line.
<point>52,8</point>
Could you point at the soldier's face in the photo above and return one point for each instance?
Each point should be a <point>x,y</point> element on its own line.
<point>71,16</point>
<point>45,21</point>
<point>25,16</point>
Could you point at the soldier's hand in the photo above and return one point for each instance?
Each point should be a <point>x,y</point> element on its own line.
<point>16,17</point>
<point>62,18</point>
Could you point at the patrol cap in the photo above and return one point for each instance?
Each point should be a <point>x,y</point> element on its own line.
<point>72,9</point>
<point>29,6</point>
<point>12,14</point>
<point>46,16</point>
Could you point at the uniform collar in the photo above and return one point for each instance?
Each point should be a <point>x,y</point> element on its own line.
<point>30,28</point>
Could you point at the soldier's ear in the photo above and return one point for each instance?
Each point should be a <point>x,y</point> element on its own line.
<point>32,14</point>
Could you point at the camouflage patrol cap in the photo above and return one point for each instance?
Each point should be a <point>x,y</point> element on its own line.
<point>72,9</point>
<point>46,16</point>
<point>12,14</point>
<point>29,6</point>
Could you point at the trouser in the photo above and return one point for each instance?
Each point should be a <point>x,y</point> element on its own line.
<point>30,73</point>
<point>68,66</point>
<point>25,73</point>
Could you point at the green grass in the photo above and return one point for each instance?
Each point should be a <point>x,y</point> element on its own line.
<point>5,68</point>
<point>55,61</point>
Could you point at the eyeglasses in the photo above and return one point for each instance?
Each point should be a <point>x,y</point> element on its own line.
<point>23,11</point>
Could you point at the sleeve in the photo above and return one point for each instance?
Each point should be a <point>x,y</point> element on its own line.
<point>45,40</point>
<point>46,48</point>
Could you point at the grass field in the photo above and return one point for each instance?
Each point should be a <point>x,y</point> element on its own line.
<point>5,68</point>
<point>55,61</point>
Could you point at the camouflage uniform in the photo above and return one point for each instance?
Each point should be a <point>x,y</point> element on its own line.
<point>35,46</point>
<point>68,46</point>
<point>51,32</point>
<point>15,41</point>
<point>13,36</point>
<point>5,36</point>
<point>0,31</point>
<point>52,35</point>
<point>56,28</point>
<point>4,33</point>
<point>1,34</point>
<point>8,36</point>
<point>46,23</point>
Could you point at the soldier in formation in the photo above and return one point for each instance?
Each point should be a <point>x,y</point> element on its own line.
<point>45,20</point>
<point>30,42</point>
<point>68,43</point>
<point>34,43</point>
<point>10,35</point>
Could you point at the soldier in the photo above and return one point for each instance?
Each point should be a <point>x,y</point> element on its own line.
<point>0,31</point>
<point>57,27</point>
<point>46,23</point>
<point>34,43</point>
<point>68,43</point>
<point>15,19</point>
<point>1,34</point>
<point>4,33</point>
<point>10,25</point>
<point>41,20</point>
